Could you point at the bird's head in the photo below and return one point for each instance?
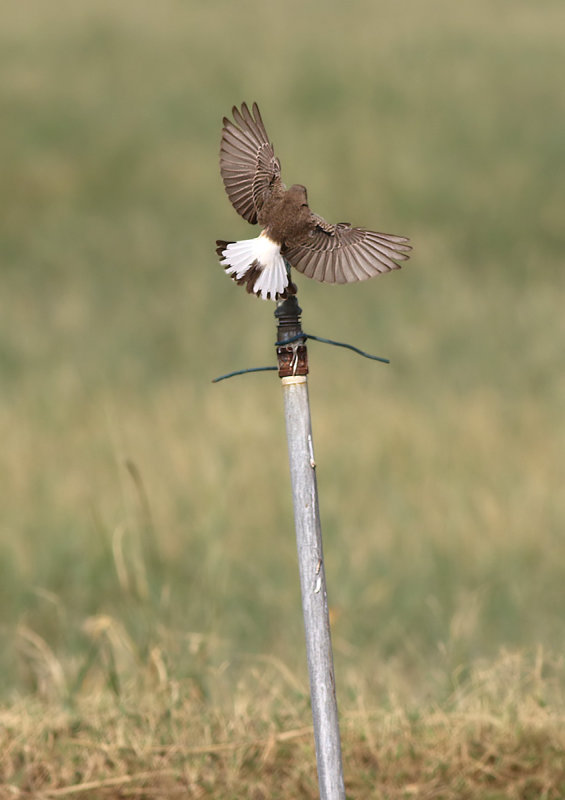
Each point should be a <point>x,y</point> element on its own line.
<point>298,194</point>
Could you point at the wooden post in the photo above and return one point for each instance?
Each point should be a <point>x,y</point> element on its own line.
<point>293,368</point>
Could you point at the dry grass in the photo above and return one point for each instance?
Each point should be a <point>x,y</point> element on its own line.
<point>497,736</point>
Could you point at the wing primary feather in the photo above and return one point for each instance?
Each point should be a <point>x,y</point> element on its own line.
<point>364,267</point>
<point>387,249</point>
<point>248,165</point>
<point>309,264</point>
<point>381,258</point>
<point>351,256</point>
<point>319,266</point>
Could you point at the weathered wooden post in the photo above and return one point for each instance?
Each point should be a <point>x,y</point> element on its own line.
<point>293,369</point>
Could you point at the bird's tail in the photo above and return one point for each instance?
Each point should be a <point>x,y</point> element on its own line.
<point>258,264</point>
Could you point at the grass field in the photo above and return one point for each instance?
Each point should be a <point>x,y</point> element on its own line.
<point>150,622</point>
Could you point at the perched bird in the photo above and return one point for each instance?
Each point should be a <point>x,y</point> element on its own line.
<point>291,232</point>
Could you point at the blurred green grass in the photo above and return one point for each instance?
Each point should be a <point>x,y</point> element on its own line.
<point>440,476</point>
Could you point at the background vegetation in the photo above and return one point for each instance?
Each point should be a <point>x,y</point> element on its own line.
<point>150,614</point>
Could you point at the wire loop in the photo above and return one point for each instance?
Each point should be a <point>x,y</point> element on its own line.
<point>302,336</point>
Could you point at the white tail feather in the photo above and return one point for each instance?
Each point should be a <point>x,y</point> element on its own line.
<point>262,253</point>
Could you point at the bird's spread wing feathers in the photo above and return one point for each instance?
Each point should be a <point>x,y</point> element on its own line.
<point>248,165</point>
<point>330,253</point>
<point>343,254</point>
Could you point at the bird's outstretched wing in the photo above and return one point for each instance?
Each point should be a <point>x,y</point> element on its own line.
<point>248,165</point>
<point>343,254</point>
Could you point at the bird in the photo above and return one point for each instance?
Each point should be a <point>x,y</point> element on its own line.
<point>291,233</point>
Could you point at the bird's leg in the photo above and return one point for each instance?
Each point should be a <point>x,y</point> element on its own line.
<point>291,288</point>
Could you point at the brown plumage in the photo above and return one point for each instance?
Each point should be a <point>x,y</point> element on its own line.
<point>290,230</point>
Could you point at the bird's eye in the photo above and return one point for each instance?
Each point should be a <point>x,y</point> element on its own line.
<point>304,205</point>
